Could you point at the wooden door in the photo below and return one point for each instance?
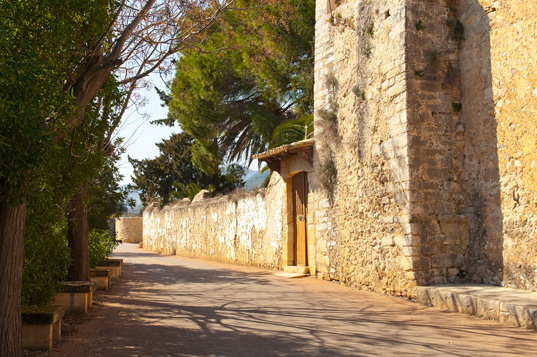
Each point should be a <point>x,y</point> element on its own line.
<point>300,204</point>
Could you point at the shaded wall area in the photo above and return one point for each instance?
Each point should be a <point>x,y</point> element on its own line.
<point>436,138</point>
<point>480,179</point>
<point>511,101</point>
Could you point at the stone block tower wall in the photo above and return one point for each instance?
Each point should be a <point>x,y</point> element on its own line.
<point>503,33</point>
<point>481,189</point>
<point>427,110</point>
<point>480,180</point>
<point>438,226</point>
<point>362,217</point>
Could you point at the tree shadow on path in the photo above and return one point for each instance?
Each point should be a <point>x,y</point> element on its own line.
<point>166,306</point>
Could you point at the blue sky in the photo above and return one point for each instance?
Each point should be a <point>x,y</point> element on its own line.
<point>141,136</point>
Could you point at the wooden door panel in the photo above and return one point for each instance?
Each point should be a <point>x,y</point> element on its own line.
<point>301,258</point>
<point>300,197</point>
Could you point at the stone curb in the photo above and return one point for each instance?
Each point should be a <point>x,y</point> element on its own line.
<point>504,305</point>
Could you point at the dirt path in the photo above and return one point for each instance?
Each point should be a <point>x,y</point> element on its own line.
<point>169,306</point>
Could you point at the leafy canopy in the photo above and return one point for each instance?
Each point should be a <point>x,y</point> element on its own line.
<point>231,101</point>
<point>41,44</point>
<point>171,175</point>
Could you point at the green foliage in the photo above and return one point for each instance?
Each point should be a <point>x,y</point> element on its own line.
<point>107,198</point>
<point>292,131</point>
<point>101,245</point>
<point>369,30</point>
<point>169,175</point>
<point>189,191</point>
<point>30,93</point>
<point>327,114</point>
<point>41,44</point>
<point>458,32</point>
<point>457,107</point>
<point>358,92</point>
<point>331,82</point>
<point>328,175</point>
<point>46,253</point>
<point>330,114</point>
<point>231,101</point>
<point>46,260</point>
<point>419,72</point>
<point>419,25</point>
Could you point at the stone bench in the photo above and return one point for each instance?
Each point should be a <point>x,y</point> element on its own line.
<point>113,264</point>
<point>41,325</point>
<point>77,296</point>
<point>102,278</point>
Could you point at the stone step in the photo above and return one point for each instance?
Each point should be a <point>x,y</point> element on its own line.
<point>293,269</point>
<point>510,306</point>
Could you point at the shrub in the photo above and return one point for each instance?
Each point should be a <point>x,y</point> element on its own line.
<point>101,245</point>
<point>328,175</point>
<point>458,33</point>
<point>328,115</point>
<point>46,261</point>
<point>358,92</point>
<point>369,30</point>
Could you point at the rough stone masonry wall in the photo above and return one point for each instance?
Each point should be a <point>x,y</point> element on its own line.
<point>240,228</point>
<point>129,229</point>
<point>436,136</point>
<point>480,180</point>
<point>362,222</point>
<point>509,100</point>
<point>428,110</point>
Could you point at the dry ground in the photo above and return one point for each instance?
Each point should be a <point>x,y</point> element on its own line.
<point>170,306</point>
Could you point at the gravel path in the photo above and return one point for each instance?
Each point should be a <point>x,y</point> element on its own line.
<point>170,306</point>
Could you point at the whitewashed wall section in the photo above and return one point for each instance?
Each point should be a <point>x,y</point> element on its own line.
<point>242,228</point>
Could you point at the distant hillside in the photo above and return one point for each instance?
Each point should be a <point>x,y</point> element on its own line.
<point>136,197</point>
<point>254,179</point>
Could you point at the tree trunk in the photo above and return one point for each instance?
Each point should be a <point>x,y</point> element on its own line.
<point>77,235</point>
<point>12,222</point>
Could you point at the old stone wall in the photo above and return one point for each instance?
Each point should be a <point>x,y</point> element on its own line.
<point>505,32</point>
<point>480,179</point>
<point>425,147</point>
<point>242,228</point>
<point>129,229</point>
<point>362,219</point>
<point>439,229</point>
<point>425,116</point>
